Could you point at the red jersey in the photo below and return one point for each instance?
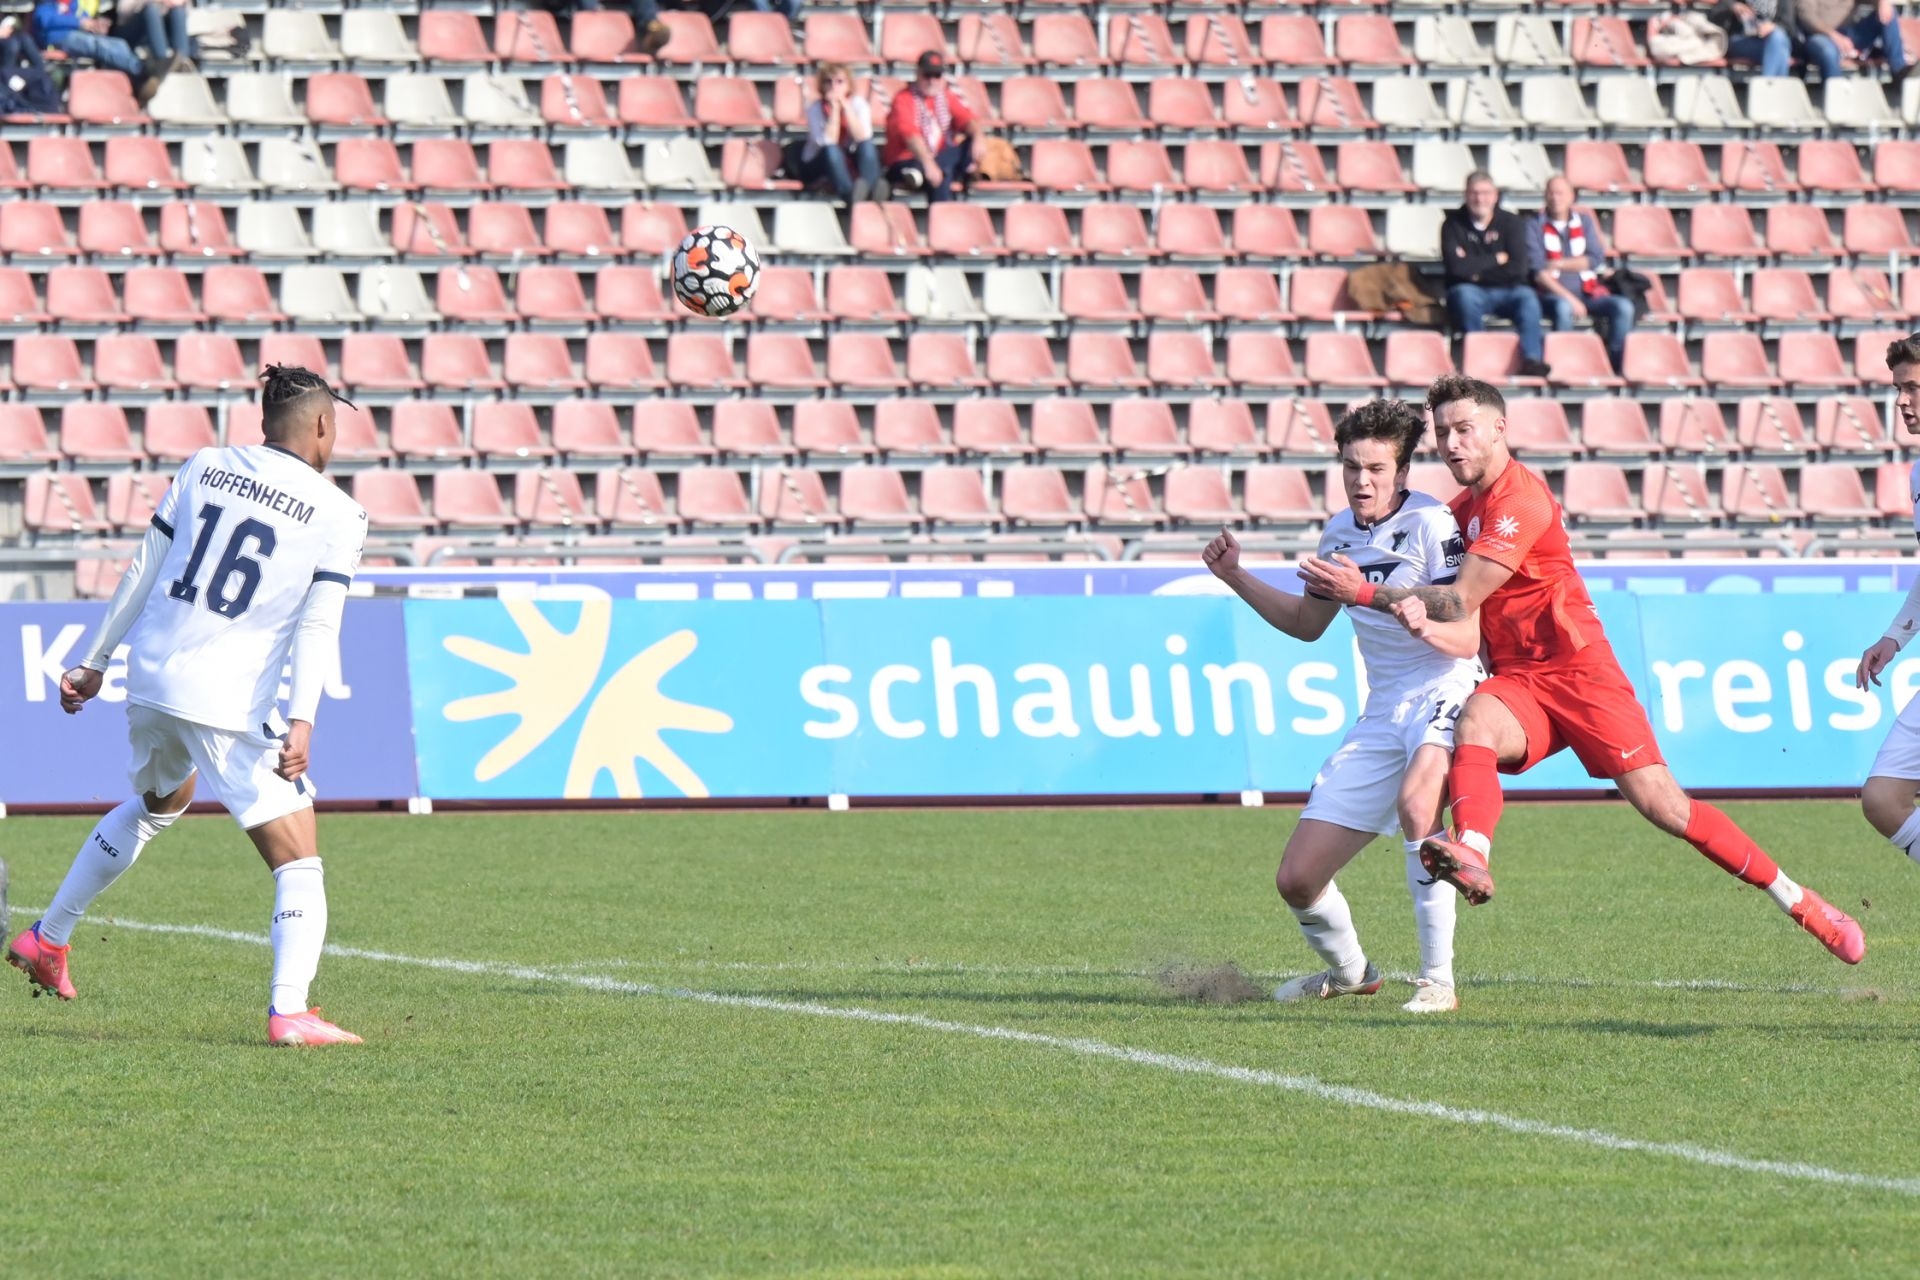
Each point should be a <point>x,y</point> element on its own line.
<point>1542,615</point>
<point>936,117</point>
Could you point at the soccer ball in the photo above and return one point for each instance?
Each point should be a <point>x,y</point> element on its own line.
<point>715,272</point>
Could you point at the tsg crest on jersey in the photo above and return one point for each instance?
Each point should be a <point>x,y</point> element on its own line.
<point>253,528</point>
<point>1417,546</point>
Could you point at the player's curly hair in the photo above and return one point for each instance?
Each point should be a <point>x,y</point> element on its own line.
<point>1399,421</point>
<point>285,390</point>
<point>1904,351</point>
<point>1449,387</point>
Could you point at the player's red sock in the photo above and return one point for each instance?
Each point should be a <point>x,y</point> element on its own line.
<point>1716,835</point>
<point>1474,784</point>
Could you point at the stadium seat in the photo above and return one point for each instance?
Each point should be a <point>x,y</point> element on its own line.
<point>1294,168</point>
<point>830,37</point>
<point>1037,496</point>
<point>210,361</point>
<point>1096,295</point>
<point>938,361</point>
<point>506,432</point>
<point>1648,231</point>
<point>1870,230</point>
<point>786,296</point>
<point>61,504</point>
<point>1616,427</point>
<point>828,429</point>
<point>1757,492</point>
<point>1096,361</point>
<point>103,98</point>
<point>1253,107</point>
<point>112,229</point>
<point>1757,168</point>
<point>1415,358</point>
<point>959,230</point>
<point>1849,425</point>
<point>94,434</point>
<point>873,497</point>
<point>1710,296</point>
<point>1225,427</point>
<point>1143,167</point>
<point>1114,230</point>
<point>797,499</point>
<point>1605,42</point>
<point>1772,425</point>
<point>1299,428</point>
<point>1142,427</point>
<point>1213,168</point>
<point>1654,359</point>
<point>1368,40</point>
<point>1725,231</point>
<point>174,432</point>
<point>1800,231</point>
<point>426,432</point>
<point>1342,233</point>
<point>1677,494</point>
<point>1538,430</point>
<point>1831,166</point>
<point>905,427</point>
<point>131,363</point>
<point>993,40</point>
<point>1182,360</point>
<point>1267,232</point>
<point>1864,294</point>
<point>83,296</point>
<point>186,101</point>
<point>551,295</point>
<point>1341,362</point>
<point>1036,231</point>
<point>1175,295</point>
<point>1175,106</point>
<point>808,229</point>
<point>989,428</point>
<point>1599,168</point>
<point>782,362</point>
<point>1737,360</point>
<point>1785,296</point>
<point>470,500</point>
<point>1261,360</point>
<point>1855,104</point>
<point>1556,104</point>
<point>1063,426</point>
<point>1280,495</point>
<point>378,363</point>
<point>1495,357</point>
<point>420,102</point>
<point>1694,426</point>
<point>136,162</point>
<point>956,496</point>
<point>702,362</point>
<point>1598,491</point>
<point>458,362</point>
<point>1630,105</point>
<point>1812,361</point>
<point>1320,294</point>
<point>1020,361</point>
<point>1117,497</point>
<point>714,496</point>
<point>632,498</point>
<point>1832,493</point>
<point>472,295</point>
<point>195,229</point>
<point>540,362</point>
<point>392,501</point>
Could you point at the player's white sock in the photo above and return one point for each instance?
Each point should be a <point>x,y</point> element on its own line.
<point>1435,907</point>
<point>1907,838</point>
<point>1474,840</point>
<point>299,931</point>
<point>1328,928</point>
<point>113,846</point>
<point>1784,892</point>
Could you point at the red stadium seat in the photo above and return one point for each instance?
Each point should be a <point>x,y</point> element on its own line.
<point>502,229</point>
<point>342,100</point>
<point>941,362</point>
<point>1757,491</point>
<point>604,36</point>
<point>452,36</point>
<point>136,162</point>
<point>426,431</point>
<point>131,362</point>
<point>876,498</point>
<point>1756,167</point>
<point>782,362</point>
<point>1064,165</point>
<point>61,504</point>
<point>1063,426</point>
<point>797,497</point>
<point>1677,167</point>
<point>906,35</point>
<point>551,295</point>
<point>1677,494</point>
<point>445,164</point>
<point>469,500</point>
<point>175,431</point>
<point>518,164</point>
<point>1175,295</point>
<point>762,40</point>
<point>1096,295</point>
<point>1832,166</point>
<point>1174,105</point>
<point>1890,492</point>
<point>690,39</point>
<point>1267,231</point>
<point>1812,361</point>
<point>1736,360</point>
<point>1036,496</point>
<point>540,362</point>
<point>1251,295</point>
<point>1832,492</point>
<point>885,231</point>
<point>1223,427</point>
<point>1113,230</point>
<point>1182,360</point>
<point>991,40</point>
<point>1341,361</point>
<point>303,350</point>
<point>1605,42</point>
<point>1280,495</point>
<point>1772,425</point>
<point>1616,427</point>
<point>1648,231</point>
<point>103,98</point>
<point>989,428</point>
<point>1251,107</point>
<point>1332,104</point>
<point>111,229</point>
<point>1022,361</point>
<point>1800,231</point>
<point>833,37</point>
<point>631,295</point>
<point>1725,231</point>
<point>1871,230</point>
<point>1653,359</point>
<point>1415,357</point>
<point>1368,40</point>
<point>908,427</point>
<point>1220,40</point>
<point>372,164</point>
<point>427,231</point>
<point>392,500</point>
<point>1294,168</point>
<point>715,496</point>
<point>32,229</point>
<point>955,496</point>
<point>96,433</point>
<point>1215,168</point>
<point>1594,168</point>
<point>377,362</point>
<point>1342,232</point>
<point>506,430</point>
<point>160,296</point>
<point>1261,360</point>
<point>1710,296</point>
<point>1782,295</point>
<point>1115,497</point>
<point>1849,425</point>
<point>19,303</point>
<point>828,428</point>
<point>59,163</point>
<point>631,498</point>
<point>958,230</point>
<point>1136,39</point>
<point>862,362</point>
<point>1299,428</point>
<point>1294,40</point>
<point>653,102</point>
<point>83,295</point>
<point>210,362</point>
<point>702,361</point>
<point>1191,231</point>
<point>473,295</point>
<point>1142,426</point>
<point>196,229</point>
<point>1096,361</point>
<point>1863,294</point>
<point>1597,491</point>
<point>1495,358</point>
<point>458,362</point>
<point>577,230</point>
<point>786,295</point>
<point>1694,425</point>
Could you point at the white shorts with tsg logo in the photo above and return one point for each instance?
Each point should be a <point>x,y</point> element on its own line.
<point>238,768</point>
<point>1359,785</point>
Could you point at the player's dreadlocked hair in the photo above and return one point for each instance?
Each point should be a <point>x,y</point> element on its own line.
<point>1904,351</point>
<point>1458,386</point>
<point>285,391</point>
<point>1397,421</point>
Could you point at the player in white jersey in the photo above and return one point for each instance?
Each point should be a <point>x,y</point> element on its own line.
<point>246,565</point>
<point>1390,771</point>
<point>1894,780</point>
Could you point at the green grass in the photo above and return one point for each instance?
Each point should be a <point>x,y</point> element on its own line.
<point>501,1124</point>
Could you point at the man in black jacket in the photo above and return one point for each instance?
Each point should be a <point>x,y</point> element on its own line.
<point>1484,248</point>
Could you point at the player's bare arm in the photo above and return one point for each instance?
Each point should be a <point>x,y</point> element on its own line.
<point>1456,639</point>
<point>1301,617</point>
<point>1340,579</point>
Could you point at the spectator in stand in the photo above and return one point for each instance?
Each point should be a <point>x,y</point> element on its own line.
<point>840,146</point>
<point>1836,30</point>
<point>1565,248</point>
<point>929,133</point>
<point>1484,251</point>
<point>790,9</point>
<point>1762,32</point>
<point>159,27</point>
<point>76,28</point>
<point>25,87</point>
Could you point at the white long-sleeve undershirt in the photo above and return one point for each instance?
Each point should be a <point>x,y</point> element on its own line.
<point>129,598</point>
<point>316,647</point>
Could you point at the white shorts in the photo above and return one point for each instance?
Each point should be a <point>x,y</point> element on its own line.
<point>237,767</point>
<point>1359,785</point>
<point>1899,755</point>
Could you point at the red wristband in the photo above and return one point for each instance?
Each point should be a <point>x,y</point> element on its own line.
<point>1364,596</point>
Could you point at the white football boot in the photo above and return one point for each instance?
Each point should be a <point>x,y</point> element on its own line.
<point>1432,997</point>
<point>1324,986</point>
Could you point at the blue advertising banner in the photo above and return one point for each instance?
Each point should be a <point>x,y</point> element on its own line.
<point>528,699</point>
<point>363,741</point>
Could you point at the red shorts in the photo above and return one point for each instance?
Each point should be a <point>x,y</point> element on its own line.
<point>1587,704</point>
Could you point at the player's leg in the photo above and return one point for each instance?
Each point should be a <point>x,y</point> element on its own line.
<point>163,781</point>
<point>1502,724</point>
<point>277,816</point>
<point>1314,854</point>
<point>1435,904</point>
<point>1655,792</point>
<point>1887,798</point>
<point>1352,801</point>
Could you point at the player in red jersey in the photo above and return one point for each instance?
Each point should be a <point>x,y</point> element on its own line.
<point>1556,682</point>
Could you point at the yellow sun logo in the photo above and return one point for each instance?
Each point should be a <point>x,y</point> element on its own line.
<point>554,676</point>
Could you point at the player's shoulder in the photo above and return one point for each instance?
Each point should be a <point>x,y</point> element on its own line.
<point>1520,485</point>
<point>1426,510</point>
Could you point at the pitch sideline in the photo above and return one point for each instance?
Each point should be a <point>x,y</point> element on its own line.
<point>1344,1095</point>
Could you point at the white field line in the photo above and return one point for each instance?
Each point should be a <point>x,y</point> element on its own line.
<point>1344,1095</point>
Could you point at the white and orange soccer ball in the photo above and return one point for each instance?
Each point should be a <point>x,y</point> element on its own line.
<point>715,271</point>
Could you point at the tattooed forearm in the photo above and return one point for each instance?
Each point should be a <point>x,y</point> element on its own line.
<point>1443,603</point>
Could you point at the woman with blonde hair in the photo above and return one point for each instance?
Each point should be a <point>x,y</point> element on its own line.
<point>840,145</point>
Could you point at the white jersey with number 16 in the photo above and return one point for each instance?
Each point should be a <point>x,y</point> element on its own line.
<point>253,529</point>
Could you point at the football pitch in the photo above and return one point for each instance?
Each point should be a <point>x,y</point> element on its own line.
<point>950,1044</point>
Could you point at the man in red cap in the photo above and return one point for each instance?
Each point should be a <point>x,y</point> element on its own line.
<point>929,133</point>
